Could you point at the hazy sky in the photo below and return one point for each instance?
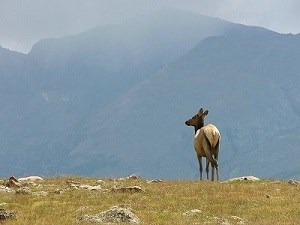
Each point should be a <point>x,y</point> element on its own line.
<point>24,22</point>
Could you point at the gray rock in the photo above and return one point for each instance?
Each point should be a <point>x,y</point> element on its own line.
<point>133,177</point>
<point>130,189</point>
<point>192,212</point>
<point>244,178</point>
<point>154,181</point>
<point>100,182</point>
<point>5,189</point>
<point>294,182</point>
<point>4,215</point>
<point>116,214</point>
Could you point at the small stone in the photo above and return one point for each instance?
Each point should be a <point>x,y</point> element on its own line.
<point>5,189</point>
<point>192,212</point>
<point>294,182</point>
<point>130,189</point>
<point>100,182</point>
<point>133,177</point>
<point>4,215</point>
<point>154,181</point>
<point>95,188</point>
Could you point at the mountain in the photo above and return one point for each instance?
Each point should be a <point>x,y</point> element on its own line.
<point>63,81</point>
<point>250,85</point>
<point>113,100</point>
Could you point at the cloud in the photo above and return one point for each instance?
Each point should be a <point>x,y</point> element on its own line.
<point>24,22</point>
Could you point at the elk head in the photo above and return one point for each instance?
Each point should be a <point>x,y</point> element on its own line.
<point>197,120</point>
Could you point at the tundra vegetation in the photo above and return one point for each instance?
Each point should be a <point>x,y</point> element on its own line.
<point>63,200</point>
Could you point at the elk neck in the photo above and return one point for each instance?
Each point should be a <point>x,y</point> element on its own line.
<point>199,126</point>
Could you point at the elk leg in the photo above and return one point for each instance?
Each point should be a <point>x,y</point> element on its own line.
<point>217,147</point>
<point>212,172</point>
<point>207,169</point>
<point>200,166</point>
<point>217,170</point>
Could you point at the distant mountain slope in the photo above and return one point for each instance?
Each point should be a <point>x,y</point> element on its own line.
<point>65,80</point>
<point>251,87</point>
<point>113,100</point>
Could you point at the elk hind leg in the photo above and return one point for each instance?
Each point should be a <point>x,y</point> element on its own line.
<point>200,165</point>
<point>207,169</point>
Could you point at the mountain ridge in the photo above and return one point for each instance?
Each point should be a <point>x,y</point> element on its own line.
<point>111,110</point>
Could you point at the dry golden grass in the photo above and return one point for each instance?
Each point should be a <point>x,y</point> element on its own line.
<point>262,202</point>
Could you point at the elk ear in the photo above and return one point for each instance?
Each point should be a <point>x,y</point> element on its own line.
<point>200,111</point>
<point>206,112</point>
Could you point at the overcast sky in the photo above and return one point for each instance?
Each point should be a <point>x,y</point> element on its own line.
<point>24,22</point>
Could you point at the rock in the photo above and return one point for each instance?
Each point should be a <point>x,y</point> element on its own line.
<point>133,177</point>
<point>77,185</point>
<point>74,186</point>
<point>221,221</point>
<point>90,188</point>
<point>294,182</point>
<point>131,189</point>
<point>5,189</point>
<point>100,182</point>
<point>85,186</point>
<point>154,181</point>
<point>244,178</point>
<point>192,212</point>
<point>116,214</point>
<point>13,182</point>
<point>30,179</point>
<point>4,215</point>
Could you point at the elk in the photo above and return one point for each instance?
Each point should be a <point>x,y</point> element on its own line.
<point>206,142</point>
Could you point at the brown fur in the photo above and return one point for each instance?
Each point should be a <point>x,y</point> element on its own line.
<point>206,142</point>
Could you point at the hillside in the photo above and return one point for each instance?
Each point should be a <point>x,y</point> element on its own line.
<point>251,87</point>
<point>113,100</point>
<point>70,200</point>
<point>63,81</point>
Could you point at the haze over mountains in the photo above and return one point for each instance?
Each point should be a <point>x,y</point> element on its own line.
<point>113,100</point>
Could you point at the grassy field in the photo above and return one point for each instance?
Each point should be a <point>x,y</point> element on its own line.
<point>240,202</point>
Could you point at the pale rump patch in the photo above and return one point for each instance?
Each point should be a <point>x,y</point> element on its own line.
<point>212,133</point>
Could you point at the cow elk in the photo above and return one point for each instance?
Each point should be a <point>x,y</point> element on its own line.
<point>206,143</point>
